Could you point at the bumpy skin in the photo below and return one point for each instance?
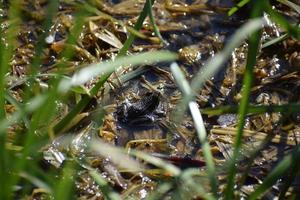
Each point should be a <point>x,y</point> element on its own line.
<point>140,111</point>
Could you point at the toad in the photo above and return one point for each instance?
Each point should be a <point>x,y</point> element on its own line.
<point>143,112</point>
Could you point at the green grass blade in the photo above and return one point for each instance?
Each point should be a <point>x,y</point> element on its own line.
<point>36,181</point>
<point>34,104</point>
<point>80,106</point>
<point>19,107</point>
<point>291,5</point>
<point>287,181</point>
<point>181,82</point>
<point>160,191</point>
<point>187,178</point>
<point>281,21</point>
<point>8,39</point>
<point>199,125</point>
<point>65,187</point>
<point>275,41</point>
<point>104,186</point>
<point>237,7</point>
<point>79,20</point>
<point>117,155</point>
<point>42,113</point>
<point>286,164</point>
<point>287,108</point>
<point>50,11</point>
<point>94,10</point>
<point>105,69</point>
<point>138,25</point>
<point>202,135</point>
<point>214,64</point>
<point>152,19</point>
<point>254,40</point>
<point>67,53</point>
<point>175,171</point>
<point>250,159</point>
<point>130,75</point>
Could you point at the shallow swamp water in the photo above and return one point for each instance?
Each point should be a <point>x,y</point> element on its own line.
<point>137,103</point>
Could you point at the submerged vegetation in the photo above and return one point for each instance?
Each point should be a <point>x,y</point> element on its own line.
<point>165,99</point>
